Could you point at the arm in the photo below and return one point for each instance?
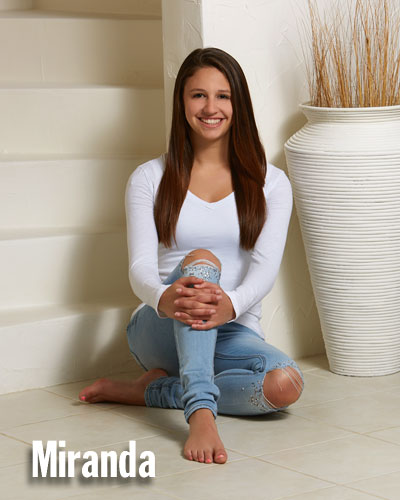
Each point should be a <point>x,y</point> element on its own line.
<point>267,253</point>
<point>142,239</point>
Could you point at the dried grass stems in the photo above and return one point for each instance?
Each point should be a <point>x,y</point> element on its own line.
<point>355,54</point>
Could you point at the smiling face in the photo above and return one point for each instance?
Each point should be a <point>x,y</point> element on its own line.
<point>208,106</point>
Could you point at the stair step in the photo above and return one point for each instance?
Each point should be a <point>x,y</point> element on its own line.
<point>57,344</point>
<point>64,192</point>
<point>150,8</point>
<point>96,120</point>
<point>61,266</point>
<point>49,47</point>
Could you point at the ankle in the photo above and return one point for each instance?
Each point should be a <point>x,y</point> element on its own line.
<point>201,415</point>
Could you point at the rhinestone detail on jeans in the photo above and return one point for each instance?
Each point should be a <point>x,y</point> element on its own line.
<point>203,271</point>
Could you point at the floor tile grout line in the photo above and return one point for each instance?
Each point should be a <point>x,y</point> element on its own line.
<point>380,439</point>
<point>358,433</point>
<point>314,420</point>
<point>206,467</point>
<point>327,480</point>
<point>75,400</point>
<point>14,438</point>
<point>352,396</point>
<point>167,493</point>
<point>138,420</point>
<point>196,468</point>
<point>155,425</point>
<point>3,467</point>
<point>155,489</point>
<point>5,429</point>
<point>96,406</point>
<point>373,497</point>
<point>88,449</point>
<point>298,472</point>
<point>389,428</point>
<point>347,485</point>
<point>301,446</point>
<point>290,497</point>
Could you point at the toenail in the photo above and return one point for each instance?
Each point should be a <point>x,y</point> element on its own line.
<point>83,398</point>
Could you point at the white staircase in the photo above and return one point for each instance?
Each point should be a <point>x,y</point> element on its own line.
<point>81,100</point>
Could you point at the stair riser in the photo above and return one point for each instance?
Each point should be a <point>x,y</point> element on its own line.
<point>89,122</point>
<point>15,4</point>
<point>63,269</point>
<point>79,193</point>
<point>81,51</point>
<point>64,349</point>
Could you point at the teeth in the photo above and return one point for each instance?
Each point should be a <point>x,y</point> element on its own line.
<point>211,121</point>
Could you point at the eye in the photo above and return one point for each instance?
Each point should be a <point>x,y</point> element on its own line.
<point>224,96</point>
<point>198,95</point>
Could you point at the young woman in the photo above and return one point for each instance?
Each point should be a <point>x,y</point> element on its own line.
<point>207,226</point>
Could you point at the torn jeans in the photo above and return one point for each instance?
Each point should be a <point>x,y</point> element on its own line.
<point>221,369</point>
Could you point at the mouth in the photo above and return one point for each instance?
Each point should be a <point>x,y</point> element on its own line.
<point>211,122</point>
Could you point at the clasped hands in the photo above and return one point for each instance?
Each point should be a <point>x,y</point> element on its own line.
<point>202,305</point>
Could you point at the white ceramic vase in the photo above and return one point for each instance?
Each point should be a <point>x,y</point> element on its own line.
<point>344,166</point>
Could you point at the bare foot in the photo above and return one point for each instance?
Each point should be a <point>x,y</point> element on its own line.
<point>131,393</point>
<point>204,443</point>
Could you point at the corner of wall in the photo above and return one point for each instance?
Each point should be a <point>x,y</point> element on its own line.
<point>182,25</point>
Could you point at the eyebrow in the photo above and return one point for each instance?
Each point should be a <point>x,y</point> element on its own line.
<point>203,90</point>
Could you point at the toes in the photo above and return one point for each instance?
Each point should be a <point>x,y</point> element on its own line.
<point>220,456</point>
<point>83,395</point>
<point>92,393</point>
<point>208,457</point>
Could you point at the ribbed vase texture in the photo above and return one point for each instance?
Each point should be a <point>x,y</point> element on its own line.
<point>344,166</point>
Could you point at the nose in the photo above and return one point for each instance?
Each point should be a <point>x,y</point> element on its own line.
<point>210,106</point>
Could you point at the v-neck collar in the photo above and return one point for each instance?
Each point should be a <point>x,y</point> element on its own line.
<point>211,204</point>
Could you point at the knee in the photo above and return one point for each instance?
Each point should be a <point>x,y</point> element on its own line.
<point>282,387</point>
<point>201,253</point>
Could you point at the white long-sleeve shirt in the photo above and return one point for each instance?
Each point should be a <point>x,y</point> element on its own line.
<point>246,276</point>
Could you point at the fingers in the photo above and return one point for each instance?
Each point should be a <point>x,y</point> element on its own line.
<point>204,326</point>
<point>207,284</point>
<point>190,280</point>
<point>199,301</point>
<point>195,314</point>
<point>188,304</point>
<point>192,292</point>
<point>199,325</point>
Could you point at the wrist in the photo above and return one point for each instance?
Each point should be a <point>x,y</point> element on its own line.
<point>160,309</point>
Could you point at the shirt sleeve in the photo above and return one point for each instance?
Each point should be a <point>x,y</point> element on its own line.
<point>143,240</point>
<point>266,256</point>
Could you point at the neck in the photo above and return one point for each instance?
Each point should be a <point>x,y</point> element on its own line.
<point>214,153</point>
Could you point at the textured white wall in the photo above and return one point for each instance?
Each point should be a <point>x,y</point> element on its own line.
<point>182,33</point>
<point>263,35</point>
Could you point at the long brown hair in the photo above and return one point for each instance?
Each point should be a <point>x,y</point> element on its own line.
<point>246,153</point>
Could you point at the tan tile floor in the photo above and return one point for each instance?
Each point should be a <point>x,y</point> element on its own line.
<point>340,441</point>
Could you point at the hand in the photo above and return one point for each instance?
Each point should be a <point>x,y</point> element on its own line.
<point>186,312</point>
<point>202,304</point>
